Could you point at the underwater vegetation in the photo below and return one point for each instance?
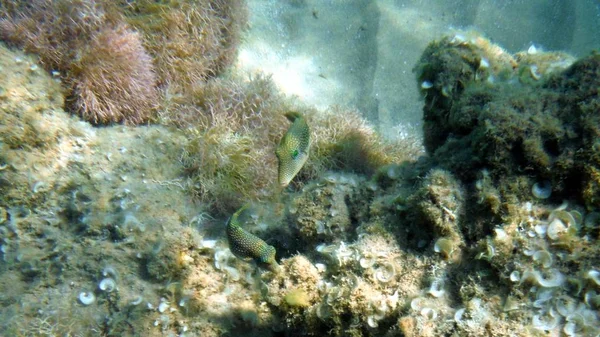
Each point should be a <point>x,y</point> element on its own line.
<point>122,231</point>
<point>108,75</point>
<point>116,59</point>
<point>234,126</point>
<point>532,116</point>
<point>190,41</point>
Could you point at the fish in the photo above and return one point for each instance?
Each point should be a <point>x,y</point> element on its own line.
<point>293,148</point>
<point>248,246</point>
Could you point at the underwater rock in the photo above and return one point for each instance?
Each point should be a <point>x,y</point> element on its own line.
<point>546,128</point>
<point>320,212</point>
<point>435,209</point>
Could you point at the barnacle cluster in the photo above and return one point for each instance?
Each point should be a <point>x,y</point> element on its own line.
<point>364,280</point>
<point>541,270</point>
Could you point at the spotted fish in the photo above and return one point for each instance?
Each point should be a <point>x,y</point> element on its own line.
<point>292,151</point>
<point>248,246</point>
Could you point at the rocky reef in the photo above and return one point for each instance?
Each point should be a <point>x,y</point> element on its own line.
<point>530,118</point>
<point>120,231</point>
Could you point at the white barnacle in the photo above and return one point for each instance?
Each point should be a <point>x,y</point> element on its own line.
<point>233,273</point>
<point>107,284</point>
<point>324,311</point>
<point>86,297</point>
<point>130,222</point>
<point>541,229</point>
<point>565,305</point>
<point>594,276</point>
<point>415,304</point>
<point>511,304</point>
<point>184,301</point>
<point>500,234</point>
<point>566,217</point>
<point>543,296</point>
<point>372,322</point>
<point>555,229</point>
<point>429,313</point>
<point>207,244</point>
<point>555,278</point>
<point>547,322</point>
<point>110,271</point>
<point>221,257</point>
<point>385,273</point>
<point>532,50</point>
<point>533,70</point>
<point>515,276</point>
<point>366,262</point>
<point>444,246</point>
<point>543,257</point>
<point>542,189</point>
<point>437,288</point>
<point>458,39</point>
<point>163,306</point>
<point>458,315</point>
<point>137,300</point>
<point>592,299</point>
<point>38,187</point>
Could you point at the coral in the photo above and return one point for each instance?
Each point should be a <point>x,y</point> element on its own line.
<point>107,73</point>
<point>106,209</point>
<point>295,287</point>
<point>29,117</point>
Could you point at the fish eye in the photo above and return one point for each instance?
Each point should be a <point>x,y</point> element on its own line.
<point>295,154</point>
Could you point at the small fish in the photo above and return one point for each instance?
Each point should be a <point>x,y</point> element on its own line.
<point>292,151</point>
<point>249,246</point>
